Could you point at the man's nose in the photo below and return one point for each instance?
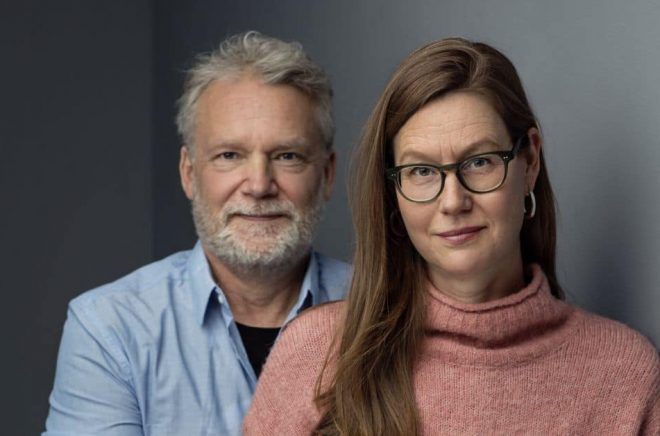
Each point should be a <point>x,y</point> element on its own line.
<point>259,180</point>
<point>454,198</point>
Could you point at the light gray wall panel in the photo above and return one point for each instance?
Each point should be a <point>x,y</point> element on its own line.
<point>590,68</point>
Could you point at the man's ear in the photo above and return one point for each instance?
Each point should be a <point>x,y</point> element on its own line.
<point>532,156</point>
<point>329,173</point>
<point>186,172</point>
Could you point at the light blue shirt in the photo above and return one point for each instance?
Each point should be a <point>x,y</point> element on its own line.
<point>158,352</point>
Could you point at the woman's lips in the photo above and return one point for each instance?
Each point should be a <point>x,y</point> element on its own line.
<point>462,235</point>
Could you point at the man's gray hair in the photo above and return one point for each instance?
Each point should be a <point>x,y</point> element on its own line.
<point>274,61</point>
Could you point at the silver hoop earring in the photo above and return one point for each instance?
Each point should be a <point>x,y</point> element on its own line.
<point>532,212</point>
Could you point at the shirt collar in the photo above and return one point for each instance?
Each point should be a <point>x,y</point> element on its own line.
<point>201,280</point>
<point>310,291</point>
<point>203,286</point>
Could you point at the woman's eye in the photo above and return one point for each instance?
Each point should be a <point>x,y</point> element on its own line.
<point>476,163</point>
<point>422,171</point>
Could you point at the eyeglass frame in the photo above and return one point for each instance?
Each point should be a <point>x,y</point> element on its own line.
<point>393,173</point>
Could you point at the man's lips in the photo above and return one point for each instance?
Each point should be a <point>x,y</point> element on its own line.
<point>462,235</point>
<point>258,217</point>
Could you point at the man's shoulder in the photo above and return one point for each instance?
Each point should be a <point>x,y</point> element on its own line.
<point>142,293</point>
<point>142,281</point>
<point>335,275</point>
<point>332,263</point>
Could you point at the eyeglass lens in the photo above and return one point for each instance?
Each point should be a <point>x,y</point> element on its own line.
<point>479,174</point>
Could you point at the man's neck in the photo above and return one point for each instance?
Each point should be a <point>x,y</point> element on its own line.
<point>259,298</point>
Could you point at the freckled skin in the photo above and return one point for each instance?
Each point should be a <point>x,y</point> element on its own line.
<point>487,265</point>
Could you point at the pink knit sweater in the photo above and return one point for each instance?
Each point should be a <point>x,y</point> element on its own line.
<point>525,364</point>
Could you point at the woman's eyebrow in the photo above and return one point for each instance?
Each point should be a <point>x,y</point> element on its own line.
<point>481,146</point>
<point>484,145</point>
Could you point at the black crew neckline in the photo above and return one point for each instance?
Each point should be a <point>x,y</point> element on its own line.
<point>257,342</point>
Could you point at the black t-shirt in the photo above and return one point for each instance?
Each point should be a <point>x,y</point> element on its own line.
<point>257,341</point>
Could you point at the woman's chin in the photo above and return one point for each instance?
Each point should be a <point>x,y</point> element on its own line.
<point>457,269</point>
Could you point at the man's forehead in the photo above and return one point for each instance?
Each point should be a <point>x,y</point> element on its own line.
<point>246,87</point>
<point>240,110</point>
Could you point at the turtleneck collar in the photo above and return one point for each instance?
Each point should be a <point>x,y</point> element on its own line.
<point>519,327</point>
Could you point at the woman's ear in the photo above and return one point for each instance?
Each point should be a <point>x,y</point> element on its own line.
<point>532,156</point>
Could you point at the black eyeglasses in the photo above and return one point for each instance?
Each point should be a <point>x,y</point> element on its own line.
<point>481,173</point>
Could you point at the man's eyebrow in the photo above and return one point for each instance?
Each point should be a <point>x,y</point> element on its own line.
<point>292,144</point>
<point>231,145</point>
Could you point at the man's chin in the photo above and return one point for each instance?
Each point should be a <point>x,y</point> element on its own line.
<point>263,255</point>
<point>249,229</point>
<point>260,251</point>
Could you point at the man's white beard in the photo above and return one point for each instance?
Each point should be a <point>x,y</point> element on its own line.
<point>258,246</point>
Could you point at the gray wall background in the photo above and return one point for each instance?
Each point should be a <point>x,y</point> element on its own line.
<point>75,175</point>
<point>88,173</point>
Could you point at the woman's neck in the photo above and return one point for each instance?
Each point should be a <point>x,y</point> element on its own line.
<point>480,287</point>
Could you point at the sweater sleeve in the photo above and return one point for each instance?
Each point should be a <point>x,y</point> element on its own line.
<point>284,399</point>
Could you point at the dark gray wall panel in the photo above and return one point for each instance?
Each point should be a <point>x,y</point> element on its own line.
<point>75,175</point>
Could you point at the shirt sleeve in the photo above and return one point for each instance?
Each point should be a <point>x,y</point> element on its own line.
<point>93,393</point>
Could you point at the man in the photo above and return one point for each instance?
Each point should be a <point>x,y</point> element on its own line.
<point>176,347</point>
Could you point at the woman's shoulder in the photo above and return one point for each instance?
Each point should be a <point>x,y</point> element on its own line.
<point>314,328</point>
<point>302,348</point>
<point>617,343</point>
<point>320,315</point>
<point>284,401</point>
<point>308,337</point>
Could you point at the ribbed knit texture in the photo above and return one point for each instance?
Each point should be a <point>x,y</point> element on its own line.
<point>526,364</point>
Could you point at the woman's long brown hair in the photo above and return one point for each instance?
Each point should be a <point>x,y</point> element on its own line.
<point>370,391</point>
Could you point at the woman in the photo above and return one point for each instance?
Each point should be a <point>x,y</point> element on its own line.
<point>454,323</point>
